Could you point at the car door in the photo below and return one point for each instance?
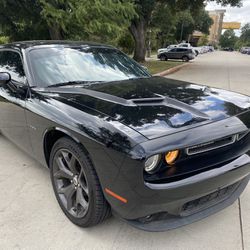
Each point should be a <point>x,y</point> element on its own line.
<point>171,53</point>
<point>12,100</point>
<point>179,53</point>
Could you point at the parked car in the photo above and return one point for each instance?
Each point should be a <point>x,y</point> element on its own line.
<point>228,49</point>
<point>157,152</point>
<point>167,48</point>
<point>245,50</point>
<point>185,54</point>
<point>181,45</point>
<point>211,48</point>
<point>184,45</point>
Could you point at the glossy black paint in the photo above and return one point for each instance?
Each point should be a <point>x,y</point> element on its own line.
<point>120,124</point>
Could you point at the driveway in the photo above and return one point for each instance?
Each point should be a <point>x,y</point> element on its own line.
<point>31,219</point>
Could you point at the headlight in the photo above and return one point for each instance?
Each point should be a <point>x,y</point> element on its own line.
<point>171,156</point>
<point>151,163</point>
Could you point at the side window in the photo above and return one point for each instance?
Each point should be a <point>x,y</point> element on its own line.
<point>11,62</point>
<point>179,50</point>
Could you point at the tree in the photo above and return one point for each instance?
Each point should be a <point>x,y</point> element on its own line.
<point>184,25</point>
<point>245,34</point>
<point>21,20</point>
<point>203,21</point>
<point>203,40</point>
<point>65,19</point>
<point>163,23</point>
<point>228,39</point>
<point>99,18</point>
<point>145,8</point>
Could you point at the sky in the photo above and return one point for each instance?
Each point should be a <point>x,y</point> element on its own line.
<point>235,14</point>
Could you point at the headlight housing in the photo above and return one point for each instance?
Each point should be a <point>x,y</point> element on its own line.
<point>171,156</point>
<point>151,163</point>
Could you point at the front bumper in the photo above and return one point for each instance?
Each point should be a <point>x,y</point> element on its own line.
<point>159,207</point>
<point>213,203</point>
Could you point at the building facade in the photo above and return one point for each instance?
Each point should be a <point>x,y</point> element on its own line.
<point>216,28</point>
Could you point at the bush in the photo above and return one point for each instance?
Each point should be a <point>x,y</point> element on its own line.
<point>126,43</point>
<point>4,39</point>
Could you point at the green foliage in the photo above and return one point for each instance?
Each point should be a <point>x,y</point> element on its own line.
<point>106,20</point>
<point>245,35</point>
<point>4,39</point>
<point>203,40</point>
<point>125,42</point>
<point>228,39</point>
<point>203,21</point>
<point>233,3</point>
<point>163,24</point>
<point>101,20</point>
<point>21,20</point>
<point>184,25</point>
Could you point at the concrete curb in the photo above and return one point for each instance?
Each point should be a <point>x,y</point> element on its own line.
<point>171,70</point>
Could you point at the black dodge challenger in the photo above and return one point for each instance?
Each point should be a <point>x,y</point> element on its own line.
<point>158,153</point>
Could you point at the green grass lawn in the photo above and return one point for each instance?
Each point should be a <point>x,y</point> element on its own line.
<point>159,66</point>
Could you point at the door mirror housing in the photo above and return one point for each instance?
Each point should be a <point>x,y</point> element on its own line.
<point>4,78</point>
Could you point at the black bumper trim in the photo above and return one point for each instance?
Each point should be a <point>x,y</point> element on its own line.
<point>177,221</point>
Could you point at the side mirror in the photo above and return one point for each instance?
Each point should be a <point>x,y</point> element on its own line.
<point>4,78</point>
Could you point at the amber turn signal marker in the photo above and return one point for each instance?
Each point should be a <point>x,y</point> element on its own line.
<point>118,197</point>
<point>171,156</point>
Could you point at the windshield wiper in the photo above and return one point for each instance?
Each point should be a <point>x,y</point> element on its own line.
<point>137,78</point>
<point>73,83</point>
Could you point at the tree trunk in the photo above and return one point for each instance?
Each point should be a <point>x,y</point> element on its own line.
<point>55,32</point>
<point>138,31</point>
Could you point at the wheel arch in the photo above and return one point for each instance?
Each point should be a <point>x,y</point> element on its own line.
<point>51,136</point>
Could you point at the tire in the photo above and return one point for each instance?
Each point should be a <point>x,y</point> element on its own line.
<point>185,59</point>
<point>76,185</point>
<point>163,58</point>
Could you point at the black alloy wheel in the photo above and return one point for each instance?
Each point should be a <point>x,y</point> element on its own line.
<point>76,184</point>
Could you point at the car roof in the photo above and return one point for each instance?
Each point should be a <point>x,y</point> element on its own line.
<point>43,43</point>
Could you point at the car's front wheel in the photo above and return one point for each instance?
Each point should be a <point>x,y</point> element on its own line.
<point>76,185</point>
<point>185,58</point>
<point>163,57</point>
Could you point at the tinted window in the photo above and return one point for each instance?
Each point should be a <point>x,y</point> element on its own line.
<point>180,50</point>
<point>60,64</point>
<point>173,50</point>
<point>11,62</point>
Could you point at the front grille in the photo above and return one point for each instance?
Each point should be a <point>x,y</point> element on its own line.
<point>201,148</point>
<point>208,200</point>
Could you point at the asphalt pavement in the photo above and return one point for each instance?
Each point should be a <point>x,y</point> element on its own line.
<point>30,217</point>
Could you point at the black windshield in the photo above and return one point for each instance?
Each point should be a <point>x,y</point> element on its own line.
<point>62,64</point>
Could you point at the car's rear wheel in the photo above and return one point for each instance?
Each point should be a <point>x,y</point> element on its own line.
<point>163,58</point>
<point>76,185</point>
<point>185,58</point>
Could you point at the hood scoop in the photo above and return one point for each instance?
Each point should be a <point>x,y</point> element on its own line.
<point>148,101</point>
<point>151,101</point>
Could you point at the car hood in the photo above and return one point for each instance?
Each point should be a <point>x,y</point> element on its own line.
<point>156,106</point>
